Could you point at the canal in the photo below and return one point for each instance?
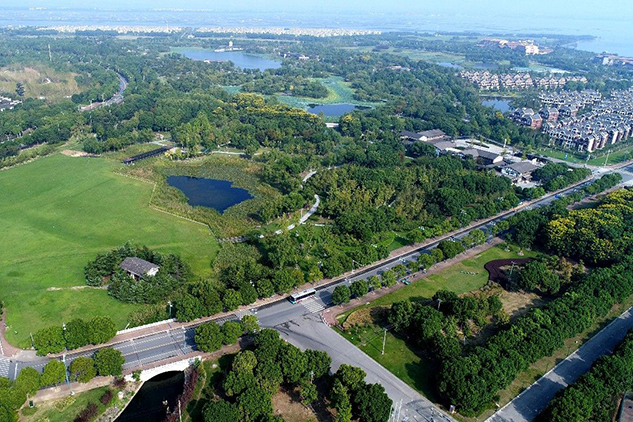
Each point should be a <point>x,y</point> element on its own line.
<point>154,398</point>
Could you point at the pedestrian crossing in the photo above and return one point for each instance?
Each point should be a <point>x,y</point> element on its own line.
<point>4,367</point>
<point>313,305</point>
<point>224,319</point>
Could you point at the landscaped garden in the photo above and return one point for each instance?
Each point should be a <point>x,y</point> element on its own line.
<point>57,214</point>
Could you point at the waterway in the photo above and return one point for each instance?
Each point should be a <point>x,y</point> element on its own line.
<point>239,58</point>
<point>147,405</point>
<point>499,104</point>
<point>211,193</point>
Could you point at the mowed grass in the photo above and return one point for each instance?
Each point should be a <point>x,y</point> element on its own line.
<point>401,358</point>
<point>57,214</point>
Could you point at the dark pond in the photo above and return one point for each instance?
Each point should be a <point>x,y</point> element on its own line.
<point>499,104</point>
<point>239,58</point>
<point>147,405</point>
<point>331,109</point>
<point>450,65</point>
<point>211,193</point>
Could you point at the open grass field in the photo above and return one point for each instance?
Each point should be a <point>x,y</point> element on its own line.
<point>38,82</point>
<point>57,213</point>
<point>400,357</point>
<point>620,155</point>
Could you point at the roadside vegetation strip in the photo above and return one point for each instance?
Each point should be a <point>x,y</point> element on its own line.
<point>596,394</point>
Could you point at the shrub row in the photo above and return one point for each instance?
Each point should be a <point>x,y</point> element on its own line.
<point>76,333</point>
<point>471,382</point>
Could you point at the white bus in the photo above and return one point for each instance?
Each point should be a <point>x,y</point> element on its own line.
<point>303,295</point>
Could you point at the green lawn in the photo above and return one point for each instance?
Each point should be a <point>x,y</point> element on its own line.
<point>58,213</point>
<point>48,411</point>
<point>400,358</point>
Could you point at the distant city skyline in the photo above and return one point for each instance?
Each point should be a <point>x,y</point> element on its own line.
<point>610,23</point>
<point>615,9</point>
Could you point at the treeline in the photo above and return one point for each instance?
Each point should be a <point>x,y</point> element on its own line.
<point>555,176</point>
<point>472,381</point>
<point>595,395</point>
<point>106,270</point>
<point>599,235</point>
<point>255,376</point>
<point>74,334</point>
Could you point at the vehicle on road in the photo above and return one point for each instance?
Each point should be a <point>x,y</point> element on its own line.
<point>302,295</point>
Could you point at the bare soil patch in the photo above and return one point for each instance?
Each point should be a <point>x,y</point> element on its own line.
<point>71,153</point>
<point>518,303</point>
<point>287,405</point>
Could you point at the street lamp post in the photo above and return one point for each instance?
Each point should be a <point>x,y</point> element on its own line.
<point>169,303</point>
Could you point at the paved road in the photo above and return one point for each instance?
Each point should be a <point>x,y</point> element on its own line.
<point>115,99</point>
<point>526,406</point>
<point>309,332</point>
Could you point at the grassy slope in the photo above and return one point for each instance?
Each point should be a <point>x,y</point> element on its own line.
<point>401,359</point>
<point>59,212</point>
<point>47,411</point>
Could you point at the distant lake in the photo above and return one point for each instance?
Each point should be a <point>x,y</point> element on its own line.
<point>239,58</point>
<point>499,104</point>
<point>210,193</point>
<point>334,110</point>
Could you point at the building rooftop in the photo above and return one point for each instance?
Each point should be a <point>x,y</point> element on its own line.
<point>137,266</point>
<point>523,167</point>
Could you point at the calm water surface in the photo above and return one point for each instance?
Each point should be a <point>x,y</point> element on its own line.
<point>499,104</point>
<point>211,193</point>
<point>331,109</point>
<point>147,405</point>
<point>239,58</point>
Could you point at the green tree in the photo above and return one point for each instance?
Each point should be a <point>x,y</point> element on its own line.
<point>308,392</point>
<point>359,288</point>
<point>208,337</point>
<point>101,330</point>
<point>341,294</point>
<point>340,399</point>
<point>244,361</point>
<point>232,299</point>
<point>82,369</point>
<point>28,380</point>
<point>109,361</point>
<point>232,331</point>
<point>351,376</point>
<point>54,373</point>
<point>250,324</point>
<point>388,278</point>
<point>318,363</point>
<point>220,411</point>
<point>372,403</point>
<point>294,363</point>
<point>49,340</point>
<point>374,282</point>
<point>254,403</point>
